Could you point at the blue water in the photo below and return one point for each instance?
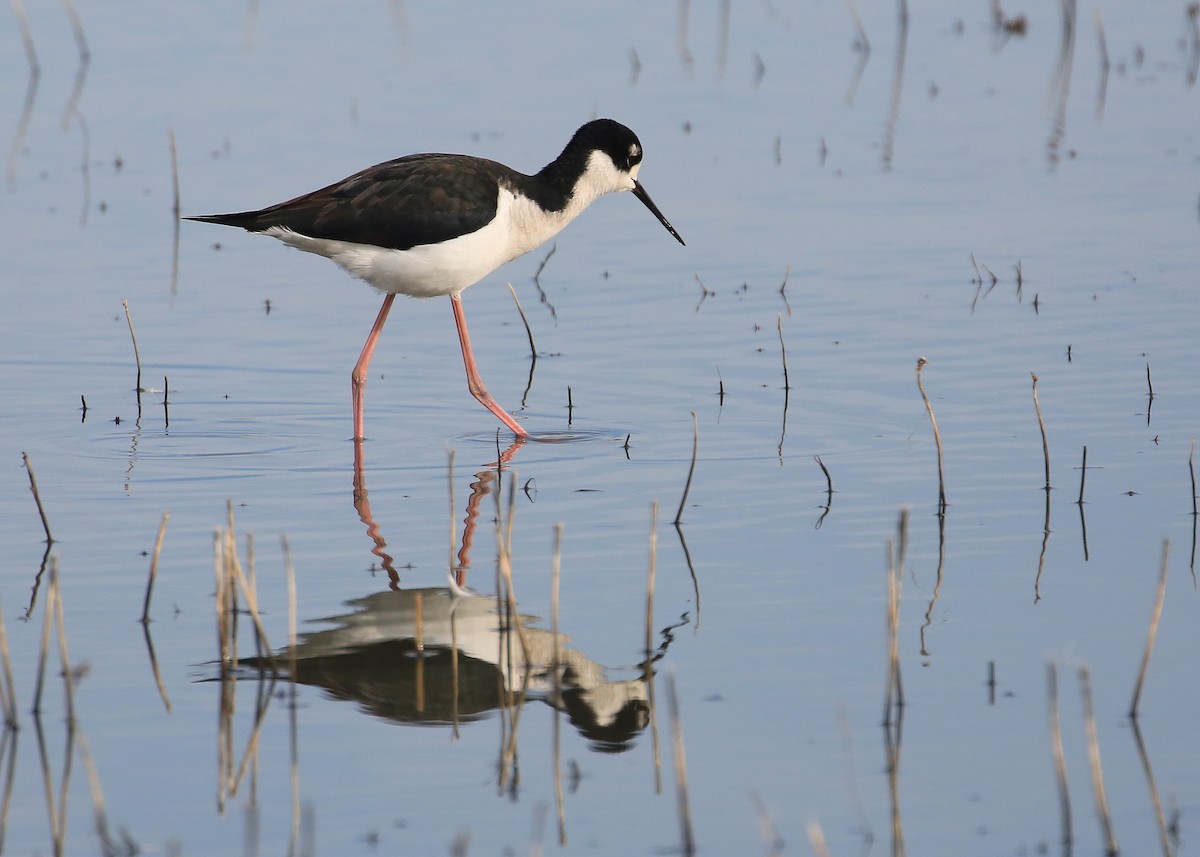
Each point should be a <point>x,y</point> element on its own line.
<point>776,163</point>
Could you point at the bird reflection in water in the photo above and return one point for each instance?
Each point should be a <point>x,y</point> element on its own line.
<point>445,655</point>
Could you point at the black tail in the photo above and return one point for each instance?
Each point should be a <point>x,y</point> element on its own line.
<point>252,221</point>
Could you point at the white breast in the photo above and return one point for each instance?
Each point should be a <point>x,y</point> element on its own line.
<point>429,270</point>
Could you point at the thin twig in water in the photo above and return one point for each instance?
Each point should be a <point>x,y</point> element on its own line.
<point>1082,476</point>
<point>1155,617</point>
<point>687,486</point>
<point>782,350</point>
<point>1093,743</point>
<point>1041,425</point>
<point>1060,761</point>
<point>524,320</point>
<point>537,281</point>
<point>783,289</point>
<point>37,498</point>
<point>8,692</point>
<point>175,206</point>
<point>937,438</point>
<point>158,543</point>
<point>894,692</point>
<point>681,782</point>
<point>137,358</point>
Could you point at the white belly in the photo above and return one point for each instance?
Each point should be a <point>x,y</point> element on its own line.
<point>429,270</point>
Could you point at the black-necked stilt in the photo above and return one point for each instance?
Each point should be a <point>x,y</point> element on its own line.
<point>433,224</point>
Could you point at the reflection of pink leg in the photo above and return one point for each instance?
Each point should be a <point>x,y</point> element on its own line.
<point>474,382</point>
<point>358,378</point>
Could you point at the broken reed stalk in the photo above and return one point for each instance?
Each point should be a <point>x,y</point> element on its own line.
<point>816,836</point>
<point>37,498</point>
<point>894,692</point>
<point>1082,476</point>
<point>64,657</point>
<point>8,690</point>
<point>524,320</point>
<point>825,470</point>
<point>1089,725</point>
<point>175,206</point>
<point>687,486</point>
<point>158,543</point>
<point>681,783</point>
<point>137,358</point>
<point>555,578</point>
<point>1041,425</point>
<point>44,647</point>
<point>782,350</point>
<point>1192,472</point>
<point>648,663</point>
<point>1056,749</point>
<point>1153,632</point>
<point>453,524</point>
<point>770,833</point>
<point>290,570</point>
<point>937,438</point>
<point>108,846</point>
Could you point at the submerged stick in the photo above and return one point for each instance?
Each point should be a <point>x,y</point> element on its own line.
<point>137,358</point>
<point>37,498</point>
<point>8,692</point>
<point>1060,761</point>
<point>782,351</point>
<point>1089,725</point>
<point>524,320</point>
<point>1082,476</point>
<point>1041,425</point>
<point>937,438</point>
<point>555,577</point>
<point>691,469</point>
<point>894,689</point>
<point>158,543</point>
<point>681,782</point>
<point>1153,632</point>
<point>1192,472</point>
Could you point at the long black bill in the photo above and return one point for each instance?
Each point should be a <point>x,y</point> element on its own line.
<point>640,193</point>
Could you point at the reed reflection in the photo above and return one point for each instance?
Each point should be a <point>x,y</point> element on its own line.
<point>446,655</point>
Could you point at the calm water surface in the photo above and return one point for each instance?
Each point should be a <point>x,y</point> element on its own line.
<point>833,198</point>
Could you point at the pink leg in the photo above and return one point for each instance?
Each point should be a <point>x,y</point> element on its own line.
<point>474,382</point>
<point>358,378</point>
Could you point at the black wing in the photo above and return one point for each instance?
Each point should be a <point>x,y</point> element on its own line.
<point>417,199</point>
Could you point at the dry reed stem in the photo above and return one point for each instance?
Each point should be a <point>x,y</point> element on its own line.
<point>1082,476</point>
<point>894,692</point>
<point>1060,761</point>
<point>37,498</point>
<point>8,690</point>
<point>64,656</point>
<point>175,198</point>
<point>158,681</point>
<point>782,351</point>
<point>687,486</point>
<point>453,524</point>
<point>158,543</point>
<point>648,669</point>
<point>524,320</point>
<point>816,836</point>
<point>1153,631</point>
<point>1192,473</point>
<point>44,647</point>
<point>937,438</point>
<point>1093,744</point>
<point>1042,426</point>
<point>766,826</point>
<point>137,358</point>
<point>688,844</point>
<point>97,794</point>
<point>555,577</point>
<point>8,745</point>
